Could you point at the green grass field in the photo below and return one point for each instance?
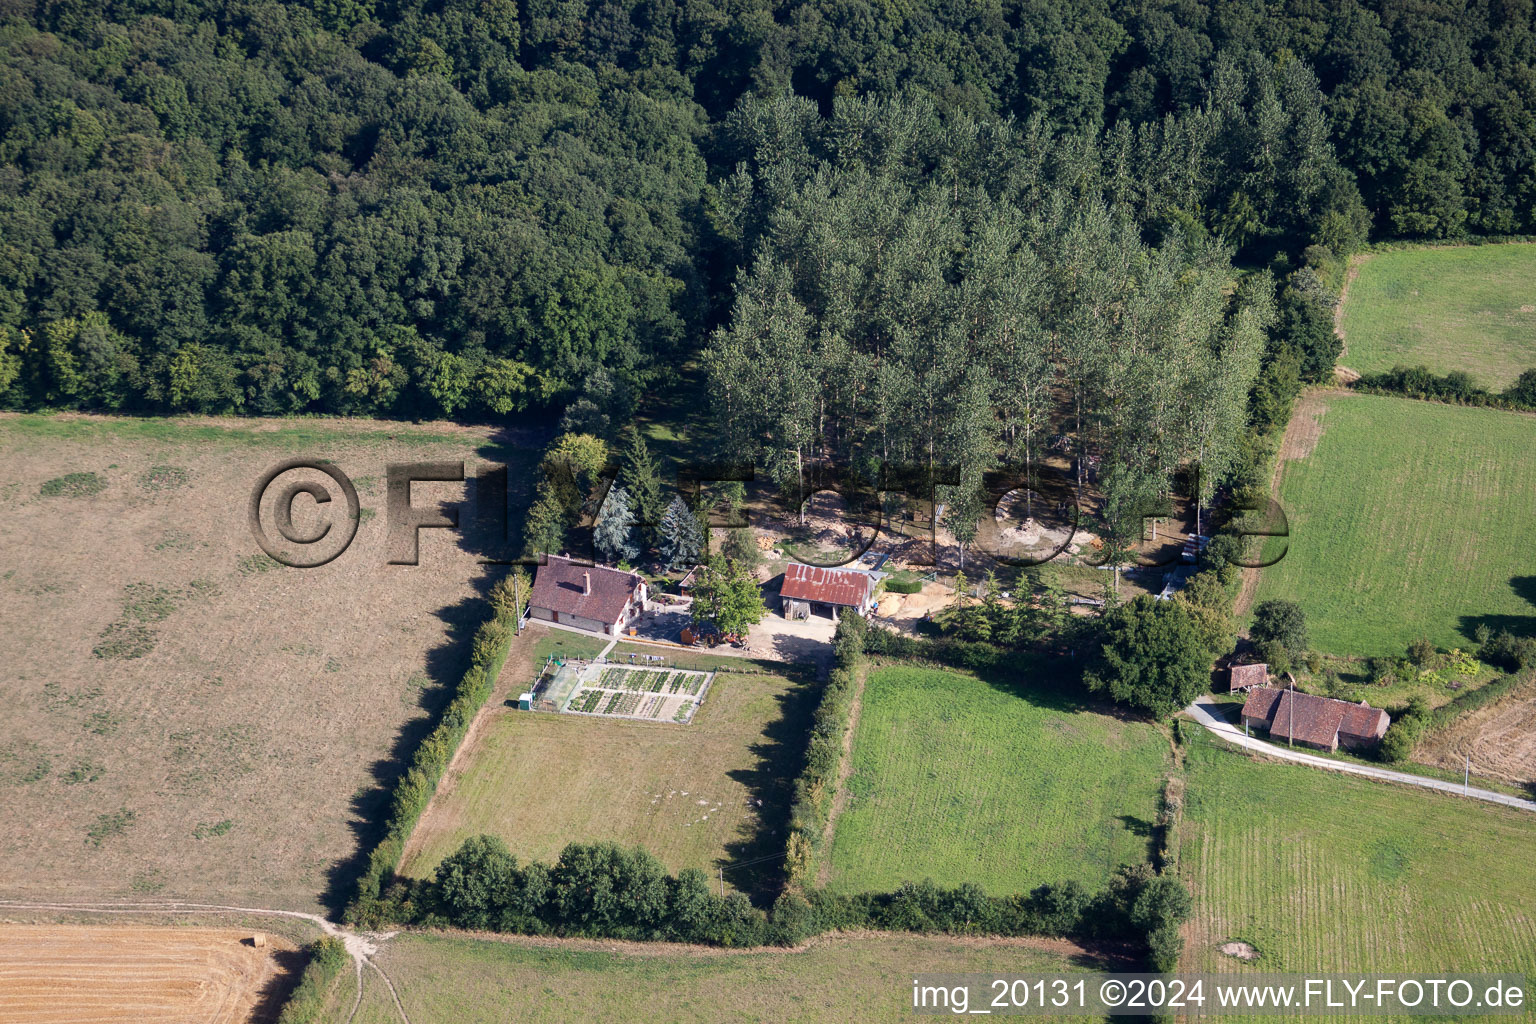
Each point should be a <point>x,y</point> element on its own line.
<point>687,793</point>
<point>957,780</point>
<point>1323,872</point>
<point>1469,308</point>
<point>1409,519</point>
<point>447,980</point>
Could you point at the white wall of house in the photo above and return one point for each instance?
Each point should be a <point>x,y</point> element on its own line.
<point>574,621</point>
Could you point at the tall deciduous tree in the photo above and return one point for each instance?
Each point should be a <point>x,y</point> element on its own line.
<point>727,594</point>
<point>1150,655</point>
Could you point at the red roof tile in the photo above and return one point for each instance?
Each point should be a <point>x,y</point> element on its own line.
<point>1364,721</point>
<point>846,587</point>
<point>1260,704</point>
<point>1304,717</point>
<point>1312,719</point>
<point>561,584</point>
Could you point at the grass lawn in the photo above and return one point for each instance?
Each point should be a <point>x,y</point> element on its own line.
<point>688,793</point>
<point>562,643</point>
<point>959,780</point>
<point>1409,519</point>
<point>1323,872</point>
<point>1469,308</point>
<point>451,980</point>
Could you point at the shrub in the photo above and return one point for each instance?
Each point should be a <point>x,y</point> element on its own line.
<point>510,590</point>
<point>328,957</point>
<point>1421,652</point>
<point>1405,732</point>
<point>900,585</point>
<point>1456,387</point>
<point>1508,651</point>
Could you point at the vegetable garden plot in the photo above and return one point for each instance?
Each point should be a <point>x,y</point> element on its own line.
<point>648,694</point>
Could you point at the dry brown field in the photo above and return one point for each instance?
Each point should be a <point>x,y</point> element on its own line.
<point>1500,739</point>
<point>78,974</point>
<point>185,717</point>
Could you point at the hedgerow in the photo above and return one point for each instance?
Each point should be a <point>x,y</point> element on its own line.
<point>327,959</point>
<point>488,651</point>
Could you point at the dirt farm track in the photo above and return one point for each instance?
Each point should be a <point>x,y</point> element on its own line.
<point>71,974</point>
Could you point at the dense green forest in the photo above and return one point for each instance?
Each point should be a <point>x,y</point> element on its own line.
<point>479,209</point>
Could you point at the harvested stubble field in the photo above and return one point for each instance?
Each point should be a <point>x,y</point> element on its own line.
<point>1470,308</point>
<point>1407,519</point>
<point>1325,872</point>
<point>701,796</point>
<point>186,717</point>
<point>960,780</point>
<point>1499,738</point>
<point>77,974</point>
<point>866,977</point>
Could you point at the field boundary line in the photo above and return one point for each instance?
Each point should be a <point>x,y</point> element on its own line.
<point>844,772</point>
<point>1200,712</point>
<point>1351,272</point>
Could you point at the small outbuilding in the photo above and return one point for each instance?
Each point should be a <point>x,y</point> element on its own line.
<point>813,590</point>
<point>1246,677</point>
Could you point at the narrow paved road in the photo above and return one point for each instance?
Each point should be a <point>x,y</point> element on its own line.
<point>1201,711</point>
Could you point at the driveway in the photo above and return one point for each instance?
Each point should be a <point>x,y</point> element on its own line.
<point>1201,711</point>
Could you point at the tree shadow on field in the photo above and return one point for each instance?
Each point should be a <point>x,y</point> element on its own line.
<point>1519,625</point>
<point>754,862</point>
<point>370,805</point>
<point>274,994</point>
<point>482,535</point>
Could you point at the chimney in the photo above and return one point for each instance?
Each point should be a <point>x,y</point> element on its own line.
<point>586,583</point>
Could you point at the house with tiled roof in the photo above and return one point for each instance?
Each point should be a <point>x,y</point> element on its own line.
<point>813,590</point>
<point>1321,722</point>
<point>591,597</point>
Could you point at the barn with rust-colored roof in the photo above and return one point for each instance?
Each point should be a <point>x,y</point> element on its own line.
<point>812,590</point>
<point>1314,721</point>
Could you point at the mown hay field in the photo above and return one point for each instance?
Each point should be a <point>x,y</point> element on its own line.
<point>703,795</point>
<point>1325,872</point>
<point>1408,519</point>
<point>959,780</point>
<point>73,974</point>
<point>447,980</point>
<point>1470,308</point>
<point>185,717</point>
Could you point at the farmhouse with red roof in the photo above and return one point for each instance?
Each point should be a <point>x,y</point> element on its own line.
<point>1314,721</point>
<point>812,590</point>
<point>591,597</point>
